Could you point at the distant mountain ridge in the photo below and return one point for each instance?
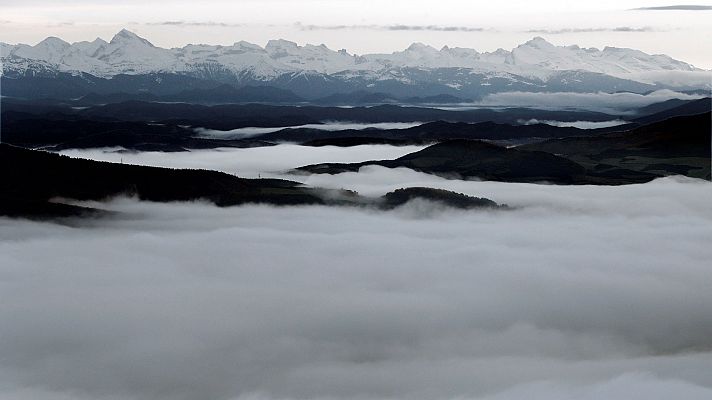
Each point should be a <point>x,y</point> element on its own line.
<point>316,71</point>
<point>128,53</point>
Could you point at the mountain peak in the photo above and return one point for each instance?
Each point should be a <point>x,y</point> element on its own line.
<point>281,43</point>
<point>539,43</point>
<point>417,46</point>
<point>247,45</point>
<point>53,42</point>
<point>126,36</point>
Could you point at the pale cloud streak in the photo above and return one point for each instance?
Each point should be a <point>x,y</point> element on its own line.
<point>194,24</point>
<point>593,30</point>
<point>681,7</point>
<point>394,27</point>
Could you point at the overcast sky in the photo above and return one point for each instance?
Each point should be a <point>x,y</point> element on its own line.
<point>363,26</point>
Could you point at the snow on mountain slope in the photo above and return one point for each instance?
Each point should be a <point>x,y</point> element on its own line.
<point>310,58</point>
<point>611,61</point>
<point>241,57</point>
<point>51,50</point>
<point>127,53</point>
<point>132,54</point>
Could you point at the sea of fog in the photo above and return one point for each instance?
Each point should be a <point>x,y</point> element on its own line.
<point>576,124</point>
<point>242,133</point>
<point>271,161</point>
<point>577,292</point>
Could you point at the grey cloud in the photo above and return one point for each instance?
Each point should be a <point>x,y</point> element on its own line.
<point>587,30</point>
<point>675,8</point>
<point>579,292</point>
<point>61,24</point>
<point>396,27</point>
<point>195,23</point>
<point>433,28</point>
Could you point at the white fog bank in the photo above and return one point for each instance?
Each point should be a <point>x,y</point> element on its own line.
<point>578,292</point>
<point>576,124</point>
<point>241,133</point>
<point>592,293</point>
<point>272,161</point>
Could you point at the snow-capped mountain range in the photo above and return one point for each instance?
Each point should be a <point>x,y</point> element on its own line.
<point>420,69</point>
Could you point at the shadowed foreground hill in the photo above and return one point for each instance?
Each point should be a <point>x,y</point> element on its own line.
<point>32,179</point>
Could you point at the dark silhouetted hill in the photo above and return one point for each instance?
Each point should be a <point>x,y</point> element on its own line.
<point>401,197</point>
<point>684,108</point>
<point>39,176</point>
<point>679,145</point>
<point>35,183</point>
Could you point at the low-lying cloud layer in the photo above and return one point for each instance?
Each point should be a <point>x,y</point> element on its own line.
<point>579,292</point>
<point>677,7</point>
<point>582,292</point>
<point>591,30</point>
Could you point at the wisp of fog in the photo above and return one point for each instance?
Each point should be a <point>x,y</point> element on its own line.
<point>576,124</point>
<point>271,161</point>
<point>241,133</point>
<point>614,103</point>
<point>576,292</point>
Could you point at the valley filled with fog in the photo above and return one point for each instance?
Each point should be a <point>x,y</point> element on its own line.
<point>270,161</point>
<point>595,292</point>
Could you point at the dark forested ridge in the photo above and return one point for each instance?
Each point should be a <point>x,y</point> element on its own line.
<point>36,182</point>
<point>37,177</point>
<point>64,132</point>
<point>631,153</point>
<point>679,145</point>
